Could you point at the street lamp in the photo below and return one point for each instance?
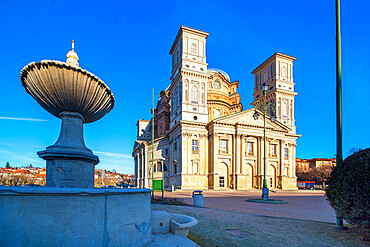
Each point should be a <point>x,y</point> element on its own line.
<point>263,106</point>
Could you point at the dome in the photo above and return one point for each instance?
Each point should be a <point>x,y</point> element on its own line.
<point>220,71</point>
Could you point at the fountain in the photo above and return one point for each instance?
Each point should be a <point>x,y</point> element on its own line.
<point>77,97</point>
<point>69,211</point>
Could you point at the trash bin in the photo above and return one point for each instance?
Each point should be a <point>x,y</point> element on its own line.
<point>198,198</point>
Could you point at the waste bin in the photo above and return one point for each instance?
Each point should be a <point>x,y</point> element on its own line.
<point>198,198</point>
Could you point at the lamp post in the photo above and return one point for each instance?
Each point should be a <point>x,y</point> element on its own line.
<point>263,106</point>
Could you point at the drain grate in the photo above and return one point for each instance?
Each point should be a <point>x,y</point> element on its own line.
<point>238,232</point>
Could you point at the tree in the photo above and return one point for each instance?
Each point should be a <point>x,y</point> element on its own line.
<point>7,165</point>
<point>349,189</point>
<point>354,150</point>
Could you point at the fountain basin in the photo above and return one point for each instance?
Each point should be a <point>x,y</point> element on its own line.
<point>178,224</point>
<point>59,87</point>
<point>42,216</point>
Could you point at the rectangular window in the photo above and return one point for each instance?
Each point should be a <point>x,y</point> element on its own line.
<point>250,148</point>
<point>286,153</point>
<point>175,146</point>
<point>194,146</point>
<point>222,181</point>
<point>223,145</point>
<point>273,149</point>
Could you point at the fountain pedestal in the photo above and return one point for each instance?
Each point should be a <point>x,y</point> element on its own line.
<point>69,163</point>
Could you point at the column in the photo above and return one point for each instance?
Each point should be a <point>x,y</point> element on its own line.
<point>293,158</point>
<point>189,154</point>
<point>138,170</point>
<point>242,154</point>
<point>259,162</point>
<point>282,158</point>
<point>237,159</point>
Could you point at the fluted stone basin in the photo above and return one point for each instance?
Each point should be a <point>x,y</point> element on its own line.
<point>59,87</point>
<point>77,97</point>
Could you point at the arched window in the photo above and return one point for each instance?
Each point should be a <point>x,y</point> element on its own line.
<point>194,94</point>
<point>283,71</point>
<point>265,76</point>
<point>217,85</point>
<point>193,49</point>
<point>217,113</point>
<point>284,109</point>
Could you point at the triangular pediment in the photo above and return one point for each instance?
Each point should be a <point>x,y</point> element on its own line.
<point>247,117</point>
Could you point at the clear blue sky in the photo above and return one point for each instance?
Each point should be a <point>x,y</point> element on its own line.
<point>126,44</point>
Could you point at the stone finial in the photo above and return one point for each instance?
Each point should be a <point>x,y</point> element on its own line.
<point>72,58</point>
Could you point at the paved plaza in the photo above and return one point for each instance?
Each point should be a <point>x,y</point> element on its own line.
<point>303,204</point>
<point>229,220</point>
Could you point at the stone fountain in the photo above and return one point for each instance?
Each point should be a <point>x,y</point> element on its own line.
<point>69,211</point>
<point>77,97</point>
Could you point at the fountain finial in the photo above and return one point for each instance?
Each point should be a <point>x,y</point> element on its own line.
<point>72,58</point>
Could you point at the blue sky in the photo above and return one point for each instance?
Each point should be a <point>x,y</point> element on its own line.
<point>126,44</point>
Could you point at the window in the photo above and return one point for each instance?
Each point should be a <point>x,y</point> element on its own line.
<point>175,146</point>
<point>222,181</point>
<point>217,113</point>
<point>250,147</point>
<point>224,145</point>
<point>194,94</point>
<point>286,153</point>
<point>283,71</point>
<point>273,149</point>
<point>174,168</point>
<point>195,167</point>
<point>193,49</point>
<point>167,151</point>
<point>159,167</point>
<point>194,146</point>
<point>216,85</point>
<point>284,109</point>
<point>264,78</point>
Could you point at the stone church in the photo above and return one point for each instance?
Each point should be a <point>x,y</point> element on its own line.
<point>203,137</point>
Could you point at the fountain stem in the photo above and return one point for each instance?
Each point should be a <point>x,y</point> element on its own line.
<point>69,163</point>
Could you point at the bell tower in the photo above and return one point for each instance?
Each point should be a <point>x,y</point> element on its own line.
<point>277,73</point>
<point>189,76</point>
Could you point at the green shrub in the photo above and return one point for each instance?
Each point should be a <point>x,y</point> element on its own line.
<point>349,189</point>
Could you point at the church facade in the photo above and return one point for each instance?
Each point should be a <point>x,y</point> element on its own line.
<point>203,137</point>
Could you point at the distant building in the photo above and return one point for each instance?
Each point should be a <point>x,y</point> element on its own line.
<point>302,165</point>
<point>321,162</point>
<point>203,137</point>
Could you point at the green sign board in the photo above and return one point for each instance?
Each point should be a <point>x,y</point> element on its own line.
<point>157,184</point>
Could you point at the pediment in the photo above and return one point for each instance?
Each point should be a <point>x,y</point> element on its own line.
<point>247,117</point>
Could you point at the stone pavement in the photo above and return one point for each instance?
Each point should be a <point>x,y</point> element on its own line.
<point>220,227</point>
<point>308,205</point>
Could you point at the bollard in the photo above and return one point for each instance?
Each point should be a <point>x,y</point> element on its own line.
<point>198,198</point>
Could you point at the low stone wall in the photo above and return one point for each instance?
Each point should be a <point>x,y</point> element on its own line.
<point>44,216</point>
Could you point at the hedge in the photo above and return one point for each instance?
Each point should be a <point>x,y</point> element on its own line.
<point>348,189</point>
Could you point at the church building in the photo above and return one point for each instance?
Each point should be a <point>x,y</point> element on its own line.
<point>204,139</point>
